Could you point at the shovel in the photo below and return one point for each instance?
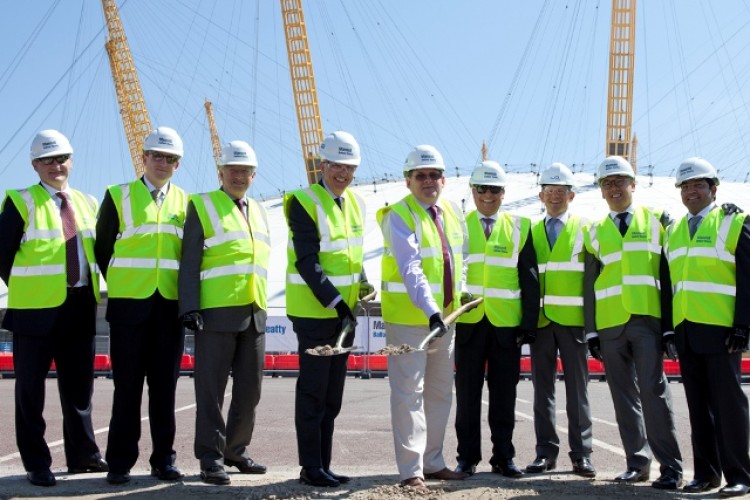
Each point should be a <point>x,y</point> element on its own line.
<point>391,350</point>
<point>327,350</point>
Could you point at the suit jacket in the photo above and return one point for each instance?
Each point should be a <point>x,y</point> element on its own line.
<point>34,322</point>
<point>592,269</point>
<point>306,241</point>
<point>229,319</point>
<point>709,339</point>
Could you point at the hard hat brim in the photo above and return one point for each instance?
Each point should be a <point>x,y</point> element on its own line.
<point>683,181</point>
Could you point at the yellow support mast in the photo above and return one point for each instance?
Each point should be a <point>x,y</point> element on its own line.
<point>303,86</point>
<point>621,79</point>
<point>215,143</point>
<point>127,86</point>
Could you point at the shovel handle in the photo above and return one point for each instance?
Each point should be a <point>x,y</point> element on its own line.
<point>449,320</point>
<point>360,304</point>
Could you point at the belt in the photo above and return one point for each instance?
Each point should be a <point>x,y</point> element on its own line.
<point>79,290</point>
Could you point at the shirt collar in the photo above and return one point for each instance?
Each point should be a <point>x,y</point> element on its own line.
<point>163,190</point>
<point>563,217</point>
<point>703,213</point>
<point>613,215</point>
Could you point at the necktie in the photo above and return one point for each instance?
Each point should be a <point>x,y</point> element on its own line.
<point>156,196</point>
<point>71,244</point>
<point>693,224</point>
<point>338,201</point>
<point>241,203</point>
<point>623,225</point>
<point>552,230</point>
<point>488,222</point>
<point>447,274</point>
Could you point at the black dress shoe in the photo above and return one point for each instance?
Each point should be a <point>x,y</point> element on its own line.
<point>41,477</point>
<point>338,477</point>
<point>507,469</point>
<point>670,479</point>
<point>215,474</point>
<point>316,476</point>
<point>734,490</point>
<point>246,466</point>
<point>541,464</point>
<point>118,477</point>
<point>583,467</point>
<point>167,473</point>
<point>633,476</point>
<point>95,465</point>
<point>466,468</point>
<point>698,486</point>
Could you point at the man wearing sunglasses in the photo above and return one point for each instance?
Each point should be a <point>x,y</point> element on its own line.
<point>500,267</point>
<point>324,280</point>
<point>138,246</point>
<point>628,322</point>
<point>47,261</point>
<point>558,241</point>
<point>421,268</point>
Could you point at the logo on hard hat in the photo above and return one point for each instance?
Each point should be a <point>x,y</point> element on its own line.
<point>345,151</point>
<point>554,177</point>
<point>490,175</point>
<point>426,157</point>
<point>686,170</point>
<point>240,154</point>
<point>610,166</point>
<point>165,141</point>
<point>49,144</point>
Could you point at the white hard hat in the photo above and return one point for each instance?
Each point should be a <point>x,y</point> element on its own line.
<point>238,153</point>
<point>695,168</point>
<point>424,156</point>
<point>556,174</point>
<point>615,165</point>
<point>489,173</point>
<point>50,143</point>
<point>341,147</point>
<point>164,140</point>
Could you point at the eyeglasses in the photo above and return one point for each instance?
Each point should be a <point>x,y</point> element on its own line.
<point>421,176</point>
<point>555,190</point>
<point>339,167</point>
<point>619,182</point>
<point>491,189</point>
<point>51,159</point>
<point>695,185</point>
<point>161,156</point>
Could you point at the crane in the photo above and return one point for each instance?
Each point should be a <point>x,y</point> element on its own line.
<point>621,78</point>
<point>127,86</point>
<point>303,86</point>
<point>215,143</point>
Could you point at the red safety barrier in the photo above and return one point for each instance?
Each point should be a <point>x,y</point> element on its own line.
<point>671,368</point>
<point>596,367</point>
<point>376,362</point>
<point>6,362</point>
<point>269,363</point>
<point>355,363</point>
<point>53,367</point>
<point>526,364</point>
<point>187,363</point>
<point>102,363</point>
<point>286,362</point>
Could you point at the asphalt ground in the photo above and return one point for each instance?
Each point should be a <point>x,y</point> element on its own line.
<point>363,445</point>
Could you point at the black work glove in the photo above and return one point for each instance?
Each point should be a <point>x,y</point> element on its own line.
<point>595,348</point>
<point>737,340</point>
<point>365,289</point>
<point>436,322</point>
<point>731,209</point>
<point>348,324</point>
<point>525,337</point>
<point>669,347</point>
<point>466,297</point>
<point>192,320</point>
<point>343,311</point>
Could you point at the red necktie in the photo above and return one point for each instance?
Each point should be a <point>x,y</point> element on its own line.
<point>488,223</point>
<point>447,274</point>
<point>241,205</point>
<point>71,245</point>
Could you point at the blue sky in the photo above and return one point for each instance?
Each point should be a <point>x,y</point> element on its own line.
<point>529,77</point>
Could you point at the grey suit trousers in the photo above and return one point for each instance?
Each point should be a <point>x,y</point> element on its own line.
<point>571,344</point>
<point>640,393</point>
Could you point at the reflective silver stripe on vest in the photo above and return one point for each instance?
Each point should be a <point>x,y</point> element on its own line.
<point>631,246</point>
<point>705,287</point>
<point>561,266</point>
<point>151,229</point>
<point>562,300</point>
<point>43,234</point>
<point>502,261</point>
<point>641,281</point>
<point>612,291</point>
<point>394,287</point>
<point>37,270</point>
<point>475,289</point>
<point>611,258</point>
<point>136,263</point>
<point>709,252</point>
<point>475,258</point>
<point>337,281</point>
<point>233,270</point>
<point>222,238</point>
<point>500,293</point>
<point>594,241</point>
<point>127,210</point>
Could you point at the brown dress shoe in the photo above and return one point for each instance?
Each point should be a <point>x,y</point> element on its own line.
<point>445,474</point>
<point>416,484</point>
